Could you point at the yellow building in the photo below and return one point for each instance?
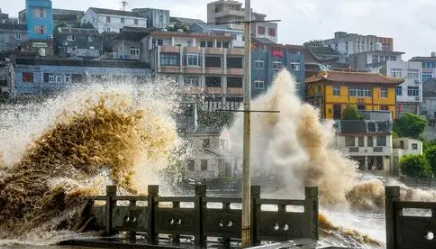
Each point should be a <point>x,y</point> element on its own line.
<point>332,91</point>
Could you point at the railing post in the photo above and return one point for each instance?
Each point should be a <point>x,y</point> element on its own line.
<point>311,210</point>
<point>132,234</point>
<point>176,237</point>
<point>200,193</point>
<point>153,191</point>
<point>392,194</point>
<point>255,208</point>
<point>111,192</point>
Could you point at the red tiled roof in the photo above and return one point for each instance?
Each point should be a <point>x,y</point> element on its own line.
<point>354,77</point>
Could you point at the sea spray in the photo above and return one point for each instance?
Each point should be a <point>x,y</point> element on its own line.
<point>103,136</point>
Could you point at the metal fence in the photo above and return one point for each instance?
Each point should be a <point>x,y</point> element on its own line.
<point>201,217</point>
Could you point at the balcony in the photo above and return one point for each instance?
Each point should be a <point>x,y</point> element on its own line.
<point>192,90</point>
<point>170,49</point>
<point>192,50</point>
<point>235,51</point>
<point>192,70</point>
<point>169,69</point>
<point>235,71</point>
<point>214,90</point>
<point>214,70</point>
<point>229,12</point>
<point>353,149</point>
<point>378,149</point>
<point>214,51</point>
<point>235,91</point>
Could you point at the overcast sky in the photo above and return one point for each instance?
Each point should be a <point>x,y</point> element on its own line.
<point>410,22</point>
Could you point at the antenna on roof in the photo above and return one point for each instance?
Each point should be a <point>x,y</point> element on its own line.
<point>124,3</point>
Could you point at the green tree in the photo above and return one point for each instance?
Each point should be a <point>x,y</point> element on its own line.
<point>352,113</point>
<point>410,125</point>
<point>313,43</point>
<point>415,166</point>
<point>430,154</point>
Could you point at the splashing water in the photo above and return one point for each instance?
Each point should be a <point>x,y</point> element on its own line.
<point>101,135</point>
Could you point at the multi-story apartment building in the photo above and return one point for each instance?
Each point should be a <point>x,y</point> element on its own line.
<point>348,43</point>
<point>429,100</point>
<point>368,142</point>
<point>13,37</point>
<point>332,91</point>
<point>78,43</point>
<point>373,61</point>
<point>230,12</point>
<point>156,18</point>
<point>70,18</point>
<point>238,35</point>
<point>107,20</point>
<point>267,61</point>
<point>428,66</point>
<point>200,64</point>
<point>409,93</point>
<point>127,44</point>
<point>40,25</point>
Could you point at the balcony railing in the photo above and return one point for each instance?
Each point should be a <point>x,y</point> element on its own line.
<point>169,69</point>
<point>170,49</point>
<point>120,56</point>
<point>235,91</point>
<point>235,71</point>
<point>214,90</point>
<point>378,149</point>
<point>353,149</point>
<point>236,51</point>
<point>214,70</point>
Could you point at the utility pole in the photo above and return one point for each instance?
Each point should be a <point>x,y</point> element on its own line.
<point>246,180</point>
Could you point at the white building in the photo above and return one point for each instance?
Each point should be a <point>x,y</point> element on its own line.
<point>366,141</point>
<point>409,93</point>
<point>107,20</point>
<point>404,147</point>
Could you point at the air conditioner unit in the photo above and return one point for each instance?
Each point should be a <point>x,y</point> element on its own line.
<point>417,81</point>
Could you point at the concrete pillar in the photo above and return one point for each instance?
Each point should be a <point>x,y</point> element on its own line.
<point>366,163</point>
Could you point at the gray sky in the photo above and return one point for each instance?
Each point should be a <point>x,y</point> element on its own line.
<point>410,22</point>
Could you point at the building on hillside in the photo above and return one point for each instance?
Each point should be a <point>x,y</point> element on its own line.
<point>108,20</point>
<point>61,17</point>
<point>202,65</point>
<point>409,93</point>
<point>13,37</point>
<point>230,12</point>
<point>332,91</point>
<point>237,35</point>
<point>368,142</point>
<point>267,61</point>
<point>43,76</point>
<point>40,25</point>
<point>349,43</point>
<point>78,43</point>
<point>211,154</point>
<point>429,101</point>
<point>373,61</point>
<point>404,146</point>
<point>428,66</point>
<point>156,18</point>
<point>127,44</point>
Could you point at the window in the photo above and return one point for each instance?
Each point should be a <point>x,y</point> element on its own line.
<point>361,141</point>
<point>122,19</point>
<point>277,66</point>
<point>295,66</point>
<point>206,143</point>
<point>191,165</point>
<point>191,81</point>
<point>90,38</point>
<point>210,44</point>
<point>218,44</point>
<point>336,91</point>
<point>169,60</point>
<point>370,141</point>
<point>392,58</point>
<point>27,77</point>
<point>350,141</point>
<point>381,141</point>
<point>234,82</point>
<point>134,51</point>
<point>414,146</point>
<point>71,38</point>
<point>399,90</point>
<point>384,92</point>
<point>213,81</point>
<point>51,78</point>
<point>108,19</point>
<point>203,44</point>
<point>58,78</point>
<point>18,36</point>
<point>258,64</point>
<point>212,61</point>
<point>259,84</point>
<point>234,62</point>
<point>107,29</point>
<point>136,21</point>
<point>272,32</point>
<point>225,45</point>
<point>159,42</point>
<point>67,78</point>
<point>396,72</point>
<point>192,60</point>
<point>261,30</point>
<point>412,74</point>
<point>412,91</point>
<point>40,30</point>
<point>203,165</point>
<point>40,13</point>
<point>78,78</point>
<point>375,59</point>
<point>384,108</point>
<point>223,144</point>
<point>360,91</point>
